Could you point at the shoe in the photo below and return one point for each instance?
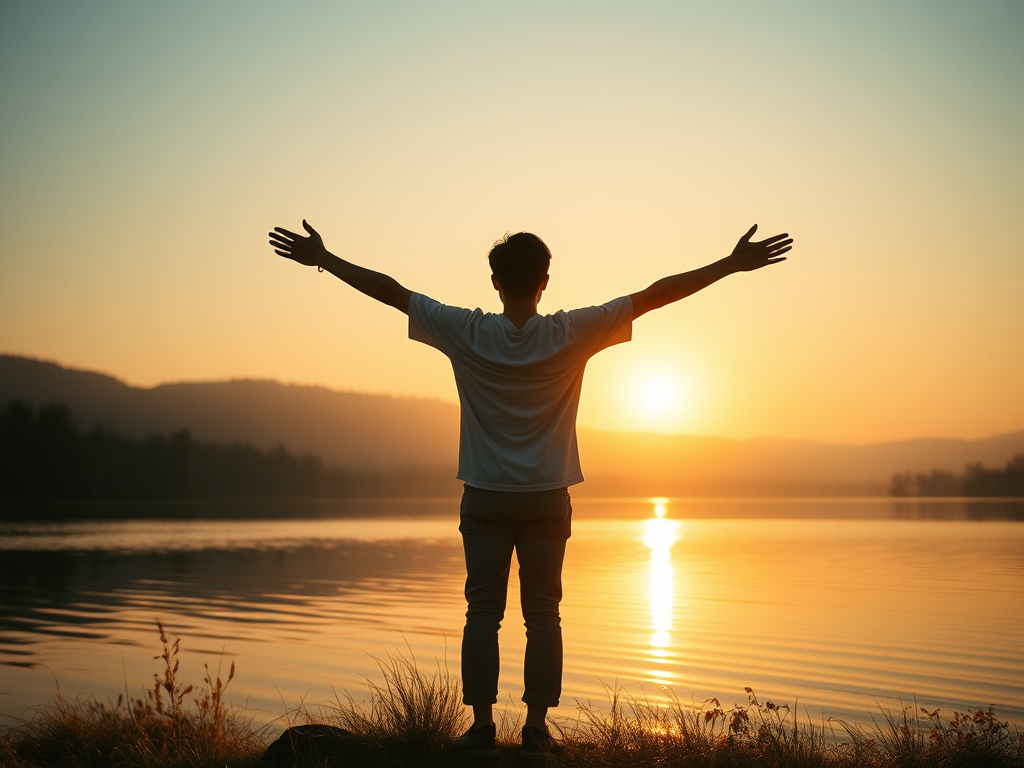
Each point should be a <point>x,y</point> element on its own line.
<point>538,743</point>
<point>477,743</point>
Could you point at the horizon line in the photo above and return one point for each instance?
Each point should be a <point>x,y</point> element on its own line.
<point>455,404</point>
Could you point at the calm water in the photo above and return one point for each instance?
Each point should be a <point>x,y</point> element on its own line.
<point>843,605</point>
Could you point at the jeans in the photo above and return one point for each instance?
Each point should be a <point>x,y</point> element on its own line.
<point>536,525</point>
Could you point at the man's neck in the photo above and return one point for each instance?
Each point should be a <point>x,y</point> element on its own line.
<point>519,310</point>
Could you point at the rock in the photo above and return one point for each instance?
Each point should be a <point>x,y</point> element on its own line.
<point>312,745</point>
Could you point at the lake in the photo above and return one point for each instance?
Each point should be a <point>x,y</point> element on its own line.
<point>836,606</point>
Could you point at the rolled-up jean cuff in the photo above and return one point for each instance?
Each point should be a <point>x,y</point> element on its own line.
<point>540,701</point>
<point>479,701</point>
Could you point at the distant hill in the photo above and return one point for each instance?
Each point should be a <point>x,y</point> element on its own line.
<point>688,465</point>
<point>353,430</point>
<point>378,432</point>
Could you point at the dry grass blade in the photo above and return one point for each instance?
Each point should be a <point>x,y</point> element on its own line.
<point>162,729</point>
<point>412,714</point>
<point>409,712</point>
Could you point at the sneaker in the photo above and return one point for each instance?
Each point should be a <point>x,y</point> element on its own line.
<point>477,743</point>
<point>538,743</point>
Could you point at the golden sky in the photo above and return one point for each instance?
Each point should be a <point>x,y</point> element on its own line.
<point>146,150</point>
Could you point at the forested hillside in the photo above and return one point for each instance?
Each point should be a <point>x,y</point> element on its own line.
<point>45,455</point>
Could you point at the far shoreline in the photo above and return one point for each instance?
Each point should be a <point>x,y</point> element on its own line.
<point>584,508</point>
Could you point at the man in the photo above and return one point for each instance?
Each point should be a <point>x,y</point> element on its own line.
<point>518,376</point>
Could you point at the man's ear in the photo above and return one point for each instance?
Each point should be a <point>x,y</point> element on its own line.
<point>544,282</point>
<point>494,282</point>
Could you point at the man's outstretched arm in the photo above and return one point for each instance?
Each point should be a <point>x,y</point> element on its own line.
<point>311,252</point>
<point>745,257</point>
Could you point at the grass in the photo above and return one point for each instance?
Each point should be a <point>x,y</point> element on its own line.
<point>175,725</point>
<point>410,717</point>
<point>412,713</point>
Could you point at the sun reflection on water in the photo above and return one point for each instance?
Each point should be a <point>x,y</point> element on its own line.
<point>660,534</point>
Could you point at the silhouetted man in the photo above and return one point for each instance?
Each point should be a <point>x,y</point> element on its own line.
<point>518,376</point>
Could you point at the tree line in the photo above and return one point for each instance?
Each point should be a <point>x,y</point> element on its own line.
<point>976,480</point>
<point>45,455</point>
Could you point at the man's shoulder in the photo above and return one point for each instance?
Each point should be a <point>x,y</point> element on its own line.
<point>424,304</point>
<point>602,324</point>
<point>437,324</point>
<point>611,305</point>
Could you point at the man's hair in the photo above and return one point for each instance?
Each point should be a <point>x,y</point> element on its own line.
<point>520,262</point>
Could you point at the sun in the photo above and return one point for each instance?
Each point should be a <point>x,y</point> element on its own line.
<point>657,395</point>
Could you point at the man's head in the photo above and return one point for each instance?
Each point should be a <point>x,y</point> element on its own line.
<point>519,264</point>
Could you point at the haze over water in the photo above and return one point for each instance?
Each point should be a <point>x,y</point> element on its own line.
<point>839,606</point>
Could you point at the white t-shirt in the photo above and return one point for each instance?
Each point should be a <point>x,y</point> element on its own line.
<point>519,387</point>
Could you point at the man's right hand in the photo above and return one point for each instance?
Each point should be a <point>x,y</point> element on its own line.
<point>745,257</point>
<point>309,251</point>
<point>748,256</point>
